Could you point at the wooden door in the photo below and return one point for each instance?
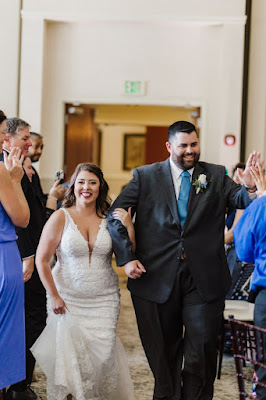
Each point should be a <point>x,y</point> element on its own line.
<point>80,137</point>
<point>155,144</point>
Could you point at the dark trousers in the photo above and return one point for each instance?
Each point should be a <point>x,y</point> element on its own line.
<point>181,331</point>
<point>35,320</point>
<point>260,320</point>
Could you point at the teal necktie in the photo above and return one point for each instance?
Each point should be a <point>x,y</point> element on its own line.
<point>183,196</point>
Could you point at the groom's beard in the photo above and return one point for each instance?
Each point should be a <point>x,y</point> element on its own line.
<point>186,164</point>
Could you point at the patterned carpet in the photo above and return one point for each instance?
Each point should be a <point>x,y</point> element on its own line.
<point>225,389</point>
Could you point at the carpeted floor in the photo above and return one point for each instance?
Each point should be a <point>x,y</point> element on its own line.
<point>225,389</point>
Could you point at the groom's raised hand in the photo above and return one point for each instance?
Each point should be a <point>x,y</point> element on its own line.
<point>134,269</point>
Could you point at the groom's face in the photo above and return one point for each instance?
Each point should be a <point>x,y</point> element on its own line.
<point>184,149</point>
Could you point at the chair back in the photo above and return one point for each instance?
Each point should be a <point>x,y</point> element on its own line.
<point>241,278</point>
<point>248,347</point>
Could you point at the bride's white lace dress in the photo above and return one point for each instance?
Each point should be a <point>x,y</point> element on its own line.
<point>79,351</point>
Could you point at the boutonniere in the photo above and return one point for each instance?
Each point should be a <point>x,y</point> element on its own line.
<point>201,183</point>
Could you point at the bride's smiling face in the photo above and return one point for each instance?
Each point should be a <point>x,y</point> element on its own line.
<point>86,188</point>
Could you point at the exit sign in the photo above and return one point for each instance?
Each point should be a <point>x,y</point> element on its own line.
<point>135,88</point>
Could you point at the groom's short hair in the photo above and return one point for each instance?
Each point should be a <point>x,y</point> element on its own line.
<point>181,126</point>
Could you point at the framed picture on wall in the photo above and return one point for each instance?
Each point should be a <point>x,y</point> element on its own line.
<point>134,150</point>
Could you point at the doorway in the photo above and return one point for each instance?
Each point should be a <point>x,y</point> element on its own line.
<point>81,138</point>
<point>102,133</point>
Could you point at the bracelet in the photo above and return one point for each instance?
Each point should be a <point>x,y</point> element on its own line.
<point>251,189</point>
<point>52,197</point>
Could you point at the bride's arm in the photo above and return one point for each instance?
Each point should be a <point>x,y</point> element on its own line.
<point>50,240</point>
<point>125,217</point>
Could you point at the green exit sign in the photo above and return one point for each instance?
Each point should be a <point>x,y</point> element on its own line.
<point>135,88</point>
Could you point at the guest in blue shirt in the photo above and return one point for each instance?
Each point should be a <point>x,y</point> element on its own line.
<point>250,241</point>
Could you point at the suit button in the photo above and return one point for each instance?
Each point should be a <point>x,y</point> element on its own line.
<point>178,258</point>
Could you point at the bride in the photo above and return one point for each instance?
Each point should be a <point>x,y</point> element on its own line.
<point>78,350</point>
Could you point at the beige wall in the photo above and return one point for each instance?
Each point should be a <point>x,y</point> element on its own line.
<point>112,154</point>
<point>116,120</point>
<point>88,62</point>
<point>189,53</point>
<point>137,8</point>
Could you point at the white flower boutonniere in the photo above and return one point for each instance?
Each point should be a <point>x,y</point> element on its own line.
<point>201,183</point>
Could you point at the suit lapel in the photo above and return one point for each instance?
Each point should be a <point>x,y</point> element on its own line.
<point>193,197</point>
<point>165,177</point>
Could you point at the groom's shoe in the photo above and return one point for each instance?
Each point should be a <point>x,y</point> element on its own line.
<point>27,394</point>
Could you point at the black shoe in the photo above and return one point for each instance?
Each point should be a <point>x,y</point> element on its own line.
<point>27,394</point>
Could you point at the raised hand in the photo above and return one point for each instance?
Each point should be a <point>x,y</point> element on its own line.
<point>57,190</point>
<point>254,161</point>
<point>260,180</point>
<point>13,163</point>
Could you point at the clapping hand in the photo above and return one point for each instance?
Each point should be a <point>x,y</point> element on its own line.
<point>260,180</point>
<point>13,163</point>
<point>254,161</point>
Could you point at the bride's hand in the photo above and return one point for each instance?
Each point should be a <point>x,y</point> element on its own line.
<point>123,216</point>
<point>58,305</point>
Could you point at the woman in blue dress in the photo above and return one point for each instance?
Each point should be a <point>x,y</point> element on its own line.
<point>250,239</point>
<point>13,211</point>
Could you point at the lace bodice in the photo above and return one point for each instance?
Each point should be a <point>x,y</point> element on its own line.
<point>79,351</point>
<point>79,272</point>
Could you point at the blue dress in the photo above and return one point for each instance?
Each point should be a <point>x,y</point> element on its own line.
<point>12,326</point>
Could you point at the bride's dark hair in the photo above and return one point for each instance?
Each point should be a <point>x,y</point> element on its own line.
<point>2,117</point>
<point>103,201</point>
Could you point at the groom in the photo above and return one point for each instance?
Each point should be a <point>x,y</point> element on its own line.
<point>179,275</point>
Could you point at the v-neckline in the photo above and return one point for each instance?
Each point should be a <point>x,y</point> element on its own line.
<point>85,240</point>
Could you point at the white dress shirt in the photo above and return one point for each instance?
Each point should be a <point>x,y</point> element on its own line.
<point>176,175</point>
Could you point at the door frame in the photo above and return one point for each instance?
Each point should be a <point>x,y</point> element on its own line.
<point>134,100</point>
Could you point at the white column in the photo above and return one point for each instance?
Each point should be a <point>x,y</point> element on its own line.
<point>30,101</point>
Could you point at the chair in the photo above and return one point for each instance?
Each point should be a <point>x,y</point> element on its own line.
<point>241,282</point>
<point>248,346</point>
<point>236,304</point>
<point>244,312</point>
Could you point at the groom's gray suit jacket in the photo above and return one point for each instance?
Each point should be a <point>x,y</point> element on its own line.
<point>159,236</point>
